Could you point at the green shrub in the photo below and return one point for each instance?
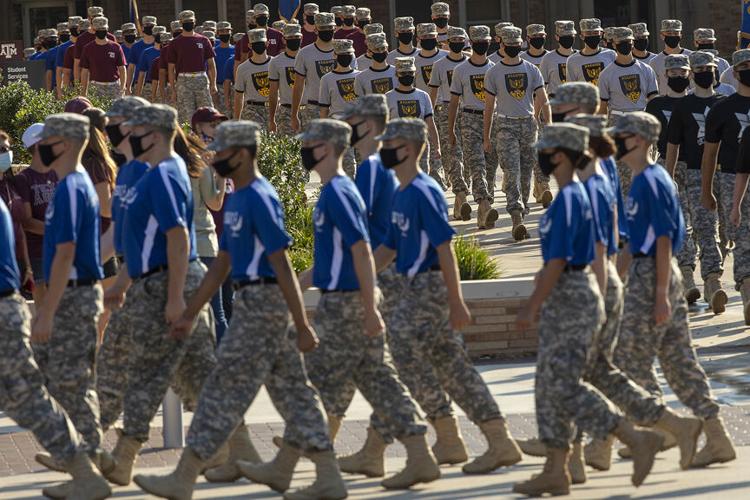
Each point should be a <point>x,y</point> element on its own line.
<point>474,263</point>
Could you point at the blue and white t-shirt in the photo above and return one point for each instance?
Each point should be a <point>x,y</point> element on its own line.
<point>9,274</point>
<point>610,167</point>
<point>73,216</point>
<point>604,207</point>
<point>419,224</point>
<point>566,229</point>
<point>253,229</point>
<point>377,185</point>
<point>162,201</point>
<point>653,211</point>
<point>127,177</point>
<point>340,221</point>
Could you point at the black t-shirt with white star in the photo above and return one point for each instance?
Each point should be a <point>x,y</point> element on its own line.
<point>661,107</point>
<point>725,123</point>
<point>687,127</point>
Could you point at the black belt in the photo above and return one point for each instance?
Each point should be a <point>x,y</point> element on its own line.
<point>641,256</point>
<point>575,267</point>
<point>260,281</point>
<point>153,271</point>
<point>79,283</point>
<point>314,103</point>
<point>257,103</point>
<point>336,290</point>
<point>7,293</point>
<point>286,105</point>
<point>472,111</point>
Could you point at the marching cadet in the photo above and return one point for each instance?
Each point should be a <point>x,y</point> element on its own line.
<point>275,39</point>
<point>705,40</point>
<point>260,346</point>
<point>588,64</point>
<point>515,96</point>
<point>608,38</point>
<point>572,314</point>
<point>65,55</point>
<point>188,57</point>
<point>103,64</point>
<point>536,36</point>
<point>440,94</point>
<point>347,28</point>
<point>363,19</point>
<point>160,256</point>
<point>337,11</point>
<point>239,57</point>
<point>281,80</point>
<point>405,34</point>
<point>554,64</point>
<point>467,86</point>
<point>144,81</point>
<point>685,138</point>
<point>498,55</point>
<point>148,23</point>
<point>309,35</point>
<point>365,60</point>
<point>379,77</point>
<point>348,305</point>
<point>50,57</point>
<point>657,229</point>
<point>86,36</point>
<point>440,14</point>
<point>640,43</point>
<point>63,31</point>
<point>161,92</point>
<point>671,34</point>
<point>406,101</point>
<point>311,64</point>
<point>251,85</point>
<point>425,332</point>
<point>725,123</point>
<point>224,53</point>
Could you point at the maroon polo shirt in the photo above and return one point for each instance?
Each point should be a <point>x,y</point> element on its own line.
<point>308,37</point>
<point>190,53</point>
<point>156,64</point>
<point>68,60</point>
<point>360,42</point>
<point>85,39</point>
<point>274,46</point>
<point>37,189</point>
<point>103,61</point>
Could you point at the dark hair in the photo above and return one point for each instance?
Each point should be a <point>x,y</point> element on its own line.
<point>191,150</point>
<point>603,146</point>
<point>579,159</point>
<point>96,118</point>
<point>99,152</point>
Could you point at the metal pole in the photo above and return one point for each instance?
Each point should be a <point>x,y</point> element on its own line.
<point>172,421</point>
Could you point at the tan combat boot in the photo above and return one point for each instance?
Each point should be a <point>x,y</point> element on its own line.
<point>487,215</point>
<point>334,424</point>
<point>718,448</point>
<point>240,448</point>
<point>668,443</point>
<point>598,453</point>
<point>519,230</point>
<point>328,483</point>
<point>554,479</point>
<point>714,294</point>
<point>369,460</point>
<point>644,445</point>
<point>692,294</point>
<point>576,467</point>
<point>421,466</point>
<point>276,474</point>
<point>461,209</point>
<point>547,198</point>
<point>532,447</point>
<point>503,450</point>
<point>179,484</point>
<point>745,292</point>
<point>125,452</point>
<point>684,430</point>
<point>87,484</point>
<point>47,460</point>
<point>449,447</point>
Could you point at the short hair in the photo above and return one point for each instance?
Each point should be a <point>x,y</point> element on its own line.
<point>603,146</point>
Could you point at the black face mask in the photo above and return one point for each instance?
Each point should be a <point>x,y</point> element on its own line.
<point>678,83</point>
<point>348,21</point>
<point>704,79</point>
<point>567,41</point>
<point>428,43</point>
<point>223,167</point>
<point>705,46</point>
<point>261,20</point>
<point>512,51</point>
<point>115,134</point>
<point>129,38</point>
<point>362,24</point>
<point>592,42</point>
<point>641,44</point>
<point>64,38</point>
<point>389,157</point>
<point>148,30</point>
<point>379,56</point>
<point>157,38</point>
<point>406,37</point>
<point>537,42</point>
<point>46,154</point>
<point>49,44</point>
<point>225,38</point>
<point>325,36</point>
<point>481,48</point>
<point>744,77</point>
<point>74,31</point>
<point>344,59</point>
<point>308,157</point>
<point>136,144</point>
<point>188,26</point>
<point>259,47</point>
<point>441,22</point>
<point>101,34</point>
<point>624,48</point>
<point>176,34</point>
<point>456,47</point>
<point>558,117</point>
<point>310,19</point>
<point>293,44</point>
<point>545,163</point>
<point>622,149</point>
<point>406,80</point>
<point>356,136</point>
<point>672,41</point>
<point>339,21</point>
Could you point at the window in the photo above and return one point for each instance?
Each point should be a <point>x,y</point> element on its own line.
<point>204,10</point>
<point>621,12</point>
<point>483,11</point>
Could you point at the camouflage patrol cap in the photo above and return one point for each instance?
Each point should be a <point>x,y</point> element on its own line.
<point>174,26</point>
<point>95,12</point>
<point>159,30</point>
<point>127,27</point>
<point>334,132</point>
<point>324,20</point>
<point>563,135</point>
<point>592,24</point>
<point>511,35</point>
<point>440,9</point>
<point>292,30</point>
<point>608,33</point>
<point>410,129</point>
<point>373,28</point>
<point>621,33</point>
<point>563,28</point>
<point>456,32</point>
<point>676,61</point>
<point>74,21</point>
<point>223,25</point>
<point>198,29</point>
<point>639,123</point>
<point>404,23</point>
<point>167,37</point>
<point>85,25</point>
<point>51,33</point>
<point>344,46</point>
<point>311,8</point>
<point>368,105</point>
<point>126,106</point>
<point>595,123</point>
<point>209,25</point>
<point>405,65</point>
<point>148,20</point>
<point>261,9</point>
<point>68,125</point>
<point>154,115</point>
<point>348,10</point>
<point>238,36</point>
<point>118,34</point>
<point>235,134</point>
<point>29,51</point>
<point>640,30</point>
<point>740,56</point>
<point>250,16</point>
<point>576,93</point>
<point>278,25</point>
<point>100,23</point>
<point>337,9</point>
<point>257,35</point>
<point>362,14</point>
<point>186,15</point>
<point>479,33</point>
<point>704,35</point>
<point>63,27</point>
<point>701,58</point>
<point>671,25</point>
<point>535,30</point>
<point>377,41</point>
<point>499,27</point>
<point>209,34</point>
<point>426,29</point>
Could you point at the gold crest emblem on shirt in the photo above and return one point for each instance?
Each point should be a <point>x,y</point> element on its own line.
<point>261,83</point>
<point>381,85</point>
<point>290,76</point>
<point>426,73</point>
<point>516,85</point>
<point>592,71</point>
<point>409,108</point>
<point>346,89</point>
<point>562,72</point>
<point>631,87</point>
<point>324,66</point>
<point>477,86</point>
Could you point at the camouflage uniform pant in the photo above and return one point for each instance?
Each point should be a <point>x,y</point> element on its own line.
<point>67,360</point>
<point>540,180</point>
<point>345,354</point>
<point>514,143</point>
<point>480,165</point>
<point>146,91</point>
<point>284,120</point>
<point>109,91</point>
<point>222,104</point>
<point>626,177</point>
<point>307,114</point>
<point>453,156</point>
<point>686,257</point>
<point>570,321</point>
<point>157,360</point>
<point>436,163</point>
<point>349,162</point>
<point>192,93</point>
<point>23,395</point>
<point>641,341</point>
<point>256,113</point>
<point>739,235</point>
<point>431,357</point>
<point>705,225</point>
<point>258,348</point>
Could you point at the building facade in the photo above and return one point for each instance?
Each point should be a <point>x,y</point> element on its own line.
<point>20,19</point>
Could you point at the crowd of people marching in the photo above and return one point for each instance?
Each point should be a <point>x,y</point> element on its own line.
<point>145,245</point>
